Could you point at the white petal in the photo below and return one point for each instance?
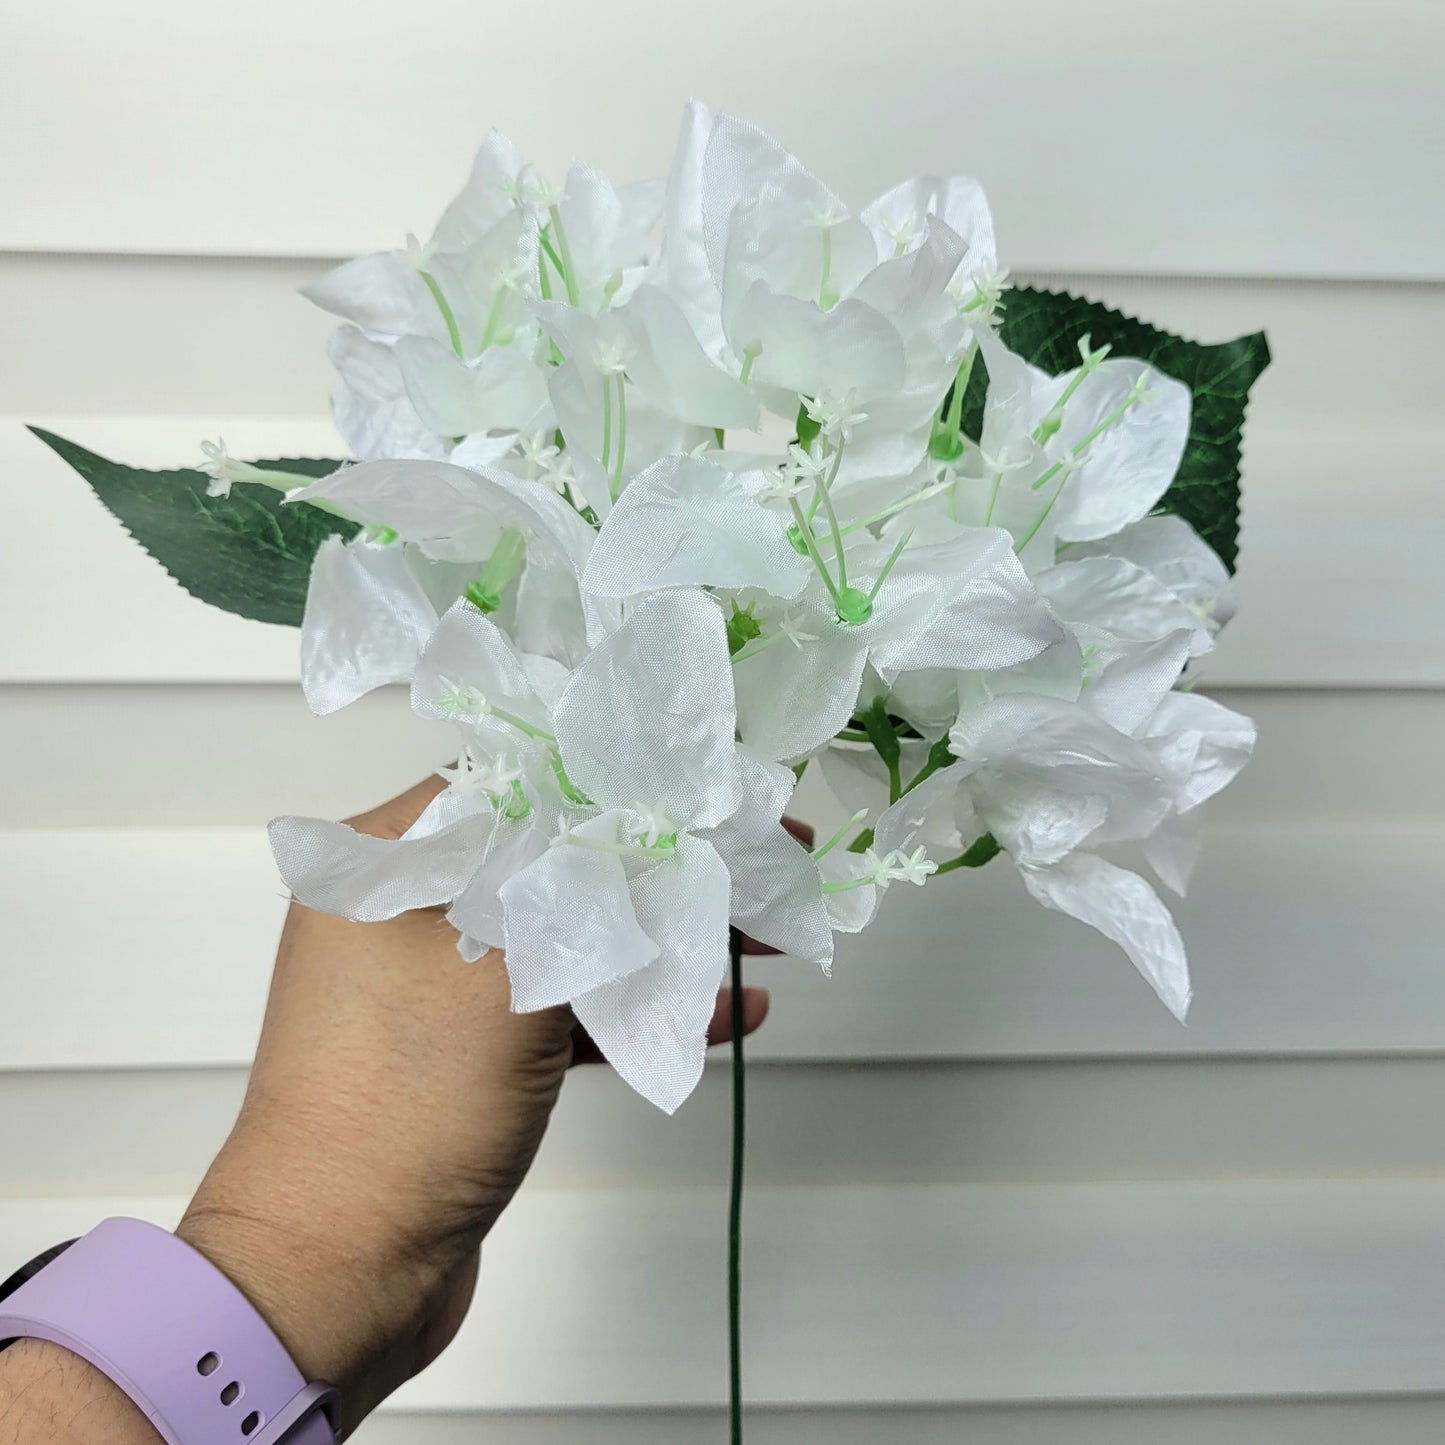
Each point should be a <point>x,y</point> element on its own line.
<point>671,369</point>
<point>1134,678</point>
<point>570,923</point>
<point>476,912</point>
<point>1202,741</point>
<point>924,816</point>
<point>338,870</point>
<point>791,700</point>
<point>961,604</point>
<point>652,1024</point>
<point>685,522</point>
<point>485,199</point>
<point>802,348</point>
<point>1035,824</point>
<point>1172,849</point>
<point>1170,549</point>
<point>365,621</point>
<point>958,201</point>
<point>1124,908</point>
<point>1131,465</point>
<point>648,720</point>
<point>469,650</point>
<point>502,389</point>
<point>776,888</point>
<point>381,294</point>
<point>1121,599</point>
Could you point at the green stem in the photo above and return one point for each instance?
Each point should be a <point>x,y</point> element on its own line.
<point>811,543</point>
<point>569,273</point>
<point>444,307</point>
<point>735,1200</point>
<point>621,436</point>
<point>975,856</point>
<point>885,743</point>
<point>939,756</point>
<point>606,421</point>
<point>821,488</point>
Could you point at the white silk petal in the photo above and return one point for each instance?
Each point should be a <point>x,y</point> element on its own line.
<point>672,370</point>
<point>962,604</point>
<point>648,720</point>
<point>686,522</point>
<point>331,867</point>
<point>776,888</point>
<point>485,199</point>
<point>469,650</point>
<point>652,1024</point>
<point>365,621</point>
<point>1203,742</point>
<point>958,201</point>
<point>380,293</point>
<point>570,923</point>
<point>1125,909</point>
<point>477,911</point>
<point>807,350</point>
<point>1130,466</point>
<point>924,816</point>
<point>503,389</point>
<point>791,700</point>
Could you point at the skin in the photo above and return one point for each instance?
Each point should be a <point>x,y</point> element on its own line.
<point>395,1105</point>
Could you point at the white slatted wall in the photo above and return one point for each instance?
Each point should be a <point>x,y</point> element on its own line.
<point>997,1195</point>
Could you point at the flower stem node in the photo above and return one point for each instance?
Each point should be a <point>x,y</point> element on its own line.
<point>485,592</point>
<point>854,606</point>
<point>945,446</point>
<point>796,537</point>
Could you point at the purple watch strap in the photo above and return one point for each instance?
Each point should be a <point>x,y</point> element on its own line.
<point>153,1314</point>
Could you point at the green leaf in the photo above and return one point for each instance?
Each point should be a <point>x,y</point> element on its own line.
<point>1045,327</point>
<point>247,553</point>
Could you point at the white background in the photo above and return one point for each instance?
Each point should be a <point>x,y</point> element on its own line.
<point>997,1194</point>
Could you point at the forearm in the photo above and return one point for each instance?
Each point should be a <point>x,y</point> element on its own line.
<point>49,1396</point>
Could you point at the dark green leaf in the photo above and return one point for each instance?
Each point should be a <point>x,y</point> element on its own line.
<point>1045,328</point>
<point>247,553</point>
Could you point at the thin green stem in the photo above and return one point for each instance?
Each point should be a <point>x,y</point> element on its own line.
<point>821,488</point>
<point>892,561</point>
<point>735,1200</point>
<point>621,436</point>
<point>522,725</point>
<point>975,856</point>
<point>606,421</point>
<point>960,385</point>
<point>750,355</point>
<point>448,315</point>
<point>811,543</point>
<point>569,272</point>
<point>838,836</point>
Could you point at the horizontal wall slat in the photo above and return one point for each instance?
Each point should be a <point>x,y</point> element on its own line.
<point>1279,138</point>
<point>1400,1421</point>
<point>155,1130</point>
<point>1336,1422</point>
<point>1303,939</point>
<point>983,1294</point>
<point>239,755</point>
<point>228,336</point>
<point>1336,588</point>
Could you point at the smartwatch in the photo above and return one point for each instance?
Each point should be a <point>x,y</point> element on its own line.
<point>172,1331</point>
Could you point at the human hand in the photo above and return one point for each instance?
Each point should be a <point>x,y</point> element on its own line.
<point>395,1105</point>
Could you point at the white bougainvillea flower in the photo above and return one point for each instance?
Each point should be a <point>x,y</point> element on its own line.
<point>686,521</point>
<point>500,807</point>
<point>959,605</point>
<point>1171,550</point>
<point>1077,456</point>
<point>626,915</point>
<point>457,514</point>
<point>1051,779</point>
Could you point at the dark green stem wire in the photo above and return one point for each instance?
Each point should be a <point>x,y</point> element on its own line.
<point>735,1202</point>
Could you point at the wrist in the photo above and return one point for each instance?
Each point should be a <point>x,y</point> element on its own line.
<point>335,1280</point>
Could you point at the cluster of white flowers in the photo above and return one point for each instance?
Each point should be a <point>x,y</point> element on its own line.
<point>666,494</point>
